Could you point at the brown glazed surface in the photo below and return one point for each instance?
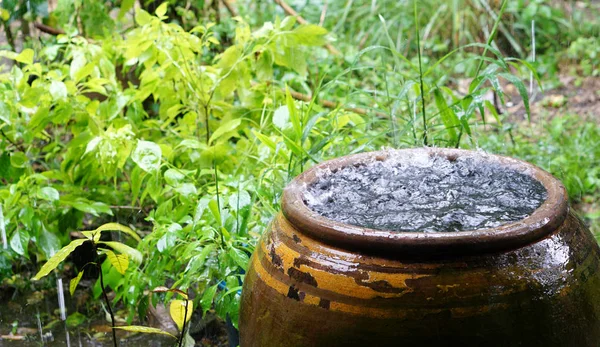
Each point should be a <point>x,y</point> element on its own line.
<point>315,282</point>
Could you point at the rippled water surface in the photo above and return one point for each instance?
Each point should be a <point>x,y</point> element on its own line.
<point>426,194</point>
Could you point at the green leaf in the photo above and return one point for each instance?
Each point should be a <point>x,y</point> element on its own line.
<point>531,69</point>
<point>58,90</point>
<point>57,258</point>
<point>126,5</point>
<point>119,261</point>
<point>74,282</point>
<point>161,10</point>
<point>397,55</point>
<point>147,155</point>
<point>497,87</point>
<point>229,58</point>
<point>225,128</point>
<point>465,124</point>
<point>265,140</point>
<point>493,111</point>
<point>18,159</point>
<point>166,242</point>
<point>240,257</point>
<point>178,312</point>
<point>200,207</point>
<point>77,64</point>
<point>174,177</point>
<point>448,116</point>
<point>264,66</point>
<point>48,243</point>
<point>198,261</point>
<point>48,193</point>
<point>186,189</point>
<point>92,235</point>
<point>294,117</point>
<point>239,200</point>
<point>281,117</point>
<point>92,207</point>
<point>207,298</point>
<point>142,17</point>
<point>5,113</point>
<point>214,208</point>
<point>134,254</point>
<point>4,14</point>
<point>295,148</point>
<point>19,241</point>
<point>75,319</point>
<point>287,23</point>
<point>522,90</point>
<point>84,72</point>
<point>119,227</point>
<point>143,329</point>
<point>25,57</point>
<point>310,35</point>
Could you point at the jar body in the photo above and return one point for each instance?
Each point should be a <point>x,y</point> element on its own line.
<point>300,291</point>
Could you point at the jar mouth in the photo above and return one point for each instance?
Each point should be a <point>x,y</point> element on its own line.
<point>543,221</point>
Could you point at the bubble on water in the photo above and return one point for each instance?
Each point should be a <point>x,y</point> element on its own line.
<point>419,192</point>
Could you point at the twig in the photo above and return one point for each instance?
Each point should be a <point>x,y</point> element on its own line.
<point>19,147</point>
<point>9,36</point>
<point>181,337</point>
<point>216,8</point>
<point>291,12</point>
<point>125,207</point>
<point>112,316</point>
<point>231,8</point>
<point>362,42</point>
<point>323,14</point>
<point>48,29</point>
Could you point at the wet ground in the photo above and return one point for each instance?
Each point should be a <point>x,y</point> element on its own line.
<point>33,318</point>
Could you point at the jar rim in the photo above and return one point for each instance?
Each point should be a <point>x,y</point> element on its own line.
<point>543,221</point>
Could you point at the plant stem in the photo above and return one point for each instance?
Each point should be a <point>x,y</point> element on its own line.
<point>421,75</point>
<point>207,125</point>
<point>19,147</point>
<point>231,8</point>
<point>9,36</point>
<point>184,322</point>
<point>216,8</point>
<point>218,198</point>
<point>48,29</point>
<point>460,132</point>
<point>492,35</point>
<point>112,316</point>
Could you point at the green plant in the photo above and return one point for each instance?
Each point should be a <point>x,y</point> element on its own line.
<point>585,51</point>
<point>455,116</point>
<point>100,135</point>
<point>565,146</point>
<point>120,262</point>
<point>189,130</point>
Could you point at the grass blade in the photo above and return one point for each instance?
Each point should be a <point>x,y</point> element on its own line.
<point>492,34</point>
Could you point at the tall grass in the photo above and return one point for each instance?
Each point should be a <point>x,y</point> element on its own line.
<point>420,73</point>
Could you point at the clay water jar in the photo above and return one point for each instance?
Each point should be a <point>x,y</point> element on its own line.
<point>316,282</point>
